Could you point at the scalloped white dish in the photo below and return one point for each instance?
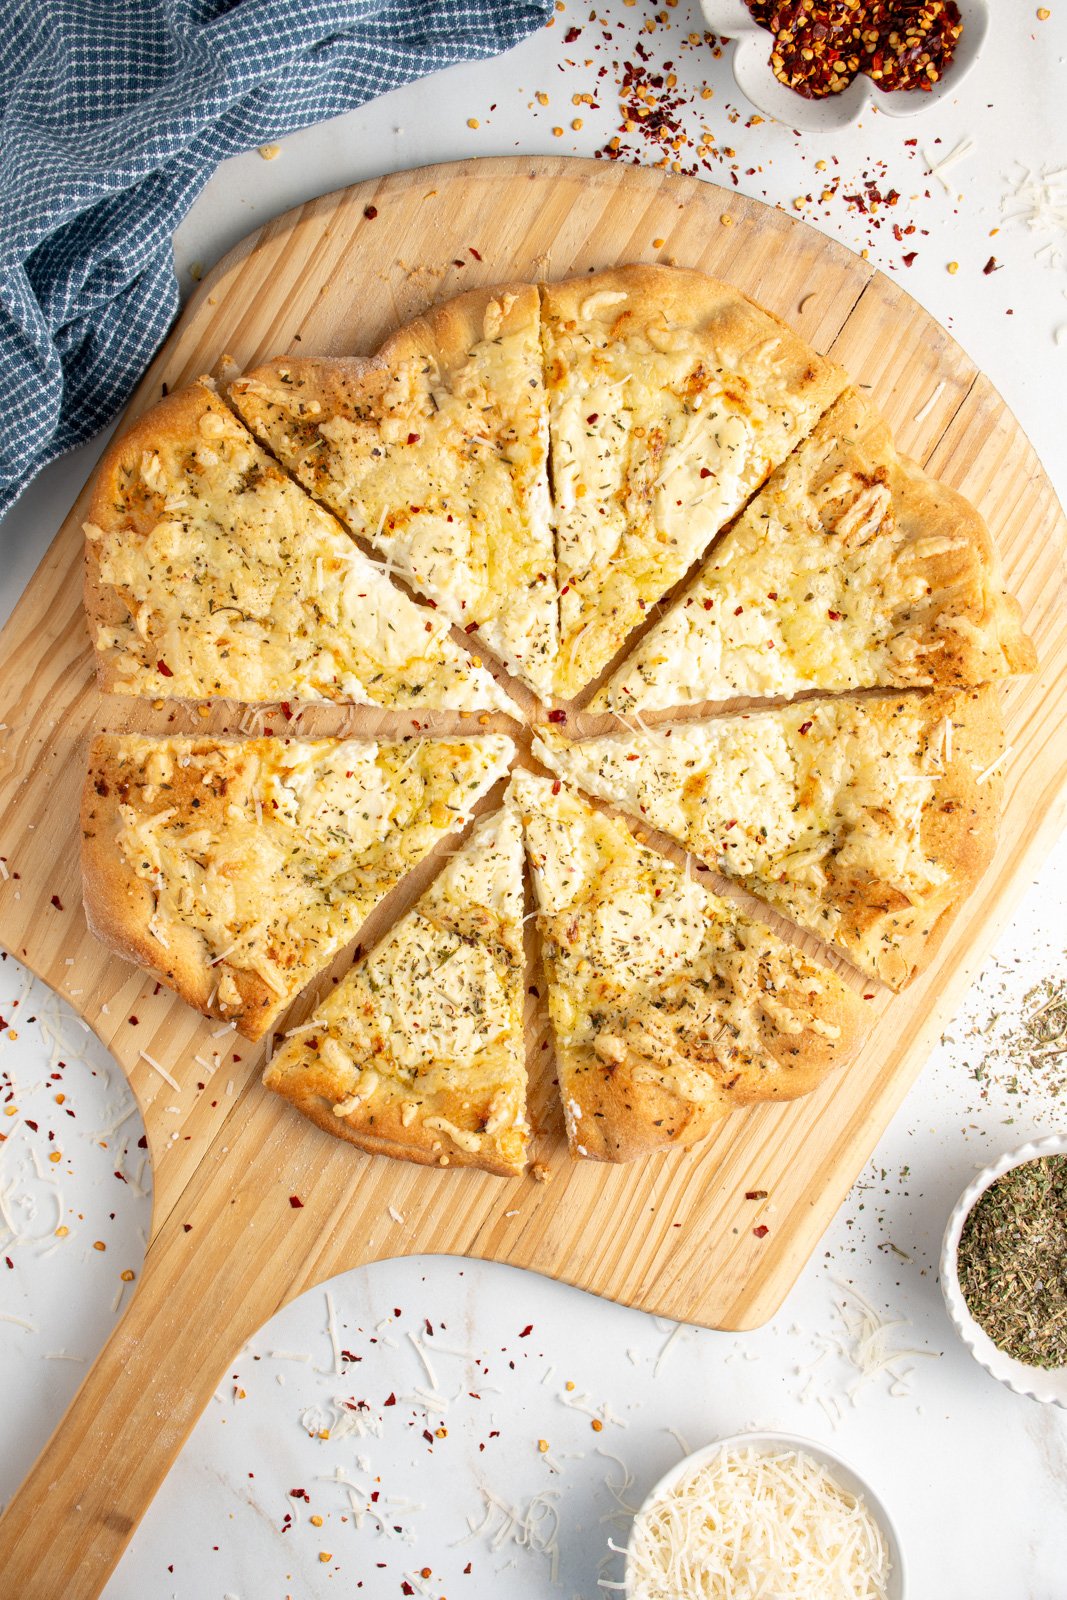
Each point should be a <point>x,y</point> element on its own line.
<point>1048,1385</point>
<point>772,1443</point>
<point>755,78</point>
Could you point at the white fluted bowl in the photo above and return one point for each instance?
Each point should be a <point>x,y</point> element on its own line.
<point>1037,1383</point>
<point>775,1444</point>
<point>755,77</point>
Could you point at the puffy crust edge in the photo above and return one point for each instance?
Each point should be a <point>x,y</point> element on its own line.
<point>925,508</point>
<point>622,1117</point>
<point>959,829</point>
<point>707,306</point>
<point>306,1085</point>
<point>118,905</point>
<point>444,334</point>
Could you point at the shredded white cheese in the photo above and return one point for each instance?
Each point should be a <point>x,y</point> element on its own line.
<point>922,414</point>
<point>748,1525</point>
<point>163,1073</point>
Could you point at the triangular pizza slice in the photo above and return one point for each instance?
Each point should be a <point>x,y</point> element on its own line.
<point>236,870</point>
<point>671,398</point>
<point>211,574</point>
<point>669,1006</point>
<point>419,1052</point>
<point>851,569</point>
<point>436,451</point>
<point>867,819</point>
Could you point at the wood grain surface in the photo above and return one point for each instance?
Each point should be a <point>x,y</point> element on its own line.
<point>672,1234</point>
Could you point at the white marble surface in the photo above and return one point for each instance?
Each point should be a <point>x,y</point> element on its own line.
<point>977,1477</point>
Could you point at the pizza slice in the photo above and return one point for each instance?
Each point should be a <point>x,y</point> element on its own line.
<point>236,870</point>
<point>851,569</point>
<point>671,398</point>
<point>436,451</point>
<point>669,1006</point>
<point>866,819</point>
<point>211,574</point>
<point>419,1052</point>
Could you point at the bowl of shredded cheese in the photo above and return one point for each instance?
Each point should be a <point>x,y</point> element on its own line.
<point>758,1515</point>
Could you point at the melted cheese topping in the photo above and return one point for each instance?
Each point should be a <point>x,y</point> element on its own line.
<point>432,1020</point>
<point>812,807</point>
<point>850,569</point>
<point>656,441</point>
<point>646,967</point>
<point>747,1525</point>
<point>236,584</point>
<point>445,471</point>
<point>274,853</point>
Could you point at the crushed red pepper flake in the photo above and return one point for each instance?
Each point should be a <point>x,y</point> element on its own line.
<point>820,46</point>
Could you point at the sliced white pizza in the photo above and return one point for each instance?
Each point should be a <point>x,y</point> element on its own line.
<point>436,451</point>
<point>866,819</point>
<point>211,574</point>
<point>671,398</point>
<point>237,869</point>
<point>419,1052</point>
<point>851,569</point>
<point>669,1006</point>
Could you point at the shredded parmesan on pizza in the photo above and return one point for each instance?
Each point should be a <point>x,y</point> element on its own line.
<point>212,574</point>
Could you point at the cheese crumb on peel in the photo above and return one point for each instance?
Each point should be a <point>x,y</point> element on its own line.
<point>749,1525</point>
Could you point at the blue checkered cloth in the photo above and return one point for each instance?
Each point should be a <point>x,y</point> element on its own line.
<point>113,114</point>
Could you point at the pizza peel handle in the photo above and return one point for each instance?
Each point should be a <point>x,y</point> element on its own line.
<point>229,1254</point>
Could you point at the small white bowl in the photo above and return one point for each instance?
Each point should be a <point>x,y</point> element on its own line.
<point>774,1444</point>
<point>756,80</point>
<point>1038,1383</point>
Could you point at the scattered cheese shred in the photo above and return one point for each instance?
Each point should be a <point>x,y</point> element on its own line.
<point>748,1525</point>
<point>937,169</point>
<point>993,765</point>
<point>1039,200</point>
<point>922,414</point>
<point>163,1073</point>
<point>331,1329</point>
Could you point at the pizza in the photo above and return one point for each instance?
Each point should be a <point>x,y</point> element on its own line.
<point>669,1006</point>
<point>211,574</point>
<point>635,488</point>
<point>435,450</point>
<point>851,569</point>
<point>419,1052</point>
<point>866,819</point>
<point>671,397</point>
<point>236,870</point>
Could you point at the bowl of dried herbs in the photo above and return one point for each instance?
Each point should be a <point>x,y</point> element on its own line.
<point>1004,1269</point>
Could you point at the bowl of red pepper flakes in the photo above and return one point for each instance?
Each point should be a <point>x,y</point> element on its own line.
<point>817,64</point>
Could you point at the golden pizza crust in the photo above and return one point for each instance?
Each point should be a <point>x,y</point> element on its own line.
<point>850,569</point>
<point>671,398</point>
<point>867,819</point>
<point>669,1006</point>
<point>435,450</point>
<point>419,1052</point>
<point>236,870</point>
